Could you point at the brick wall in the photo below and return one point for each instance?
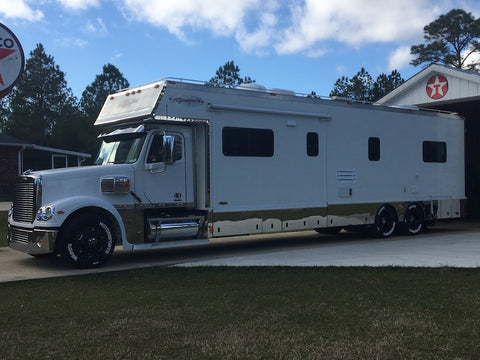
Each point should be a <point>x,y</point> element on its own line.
<point>8,170</point>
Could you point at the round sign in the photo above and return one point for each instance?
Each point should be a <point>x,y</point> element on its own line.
<point>437,87</point>
<point>12,60</point>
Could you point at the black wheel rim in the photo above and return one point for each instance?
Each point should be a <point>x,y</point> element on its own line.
<point>414,221</point>
<point>385,221</point>
<point>91,243</point>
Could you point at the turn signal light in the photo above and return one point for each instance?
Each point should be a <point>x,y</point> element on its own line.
<point>115,185</point>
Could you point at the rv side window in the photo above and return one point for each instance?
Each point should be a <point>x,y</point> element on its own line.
<point>434,151</point>
<point>312,144</point>
<point>247,142</point>
<point>374,149</point>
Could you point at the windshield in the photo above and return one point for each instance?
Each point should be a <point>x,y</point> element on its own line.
<point>120,151</point>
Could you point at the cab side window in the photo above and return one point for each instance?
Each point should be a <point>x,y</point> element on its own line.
<point>156,152</point>
<point>178,148</point>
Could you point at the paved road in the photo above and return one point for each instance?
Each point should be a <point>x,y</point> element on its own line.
<point>454,244</point>
<point>4,206</point>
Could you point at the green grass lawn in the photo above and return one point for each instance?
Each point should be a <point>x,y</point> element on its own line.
<point>245,313</point>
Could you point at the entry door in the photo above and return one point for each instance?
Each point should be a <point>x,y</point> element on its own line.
<point>164,183</point>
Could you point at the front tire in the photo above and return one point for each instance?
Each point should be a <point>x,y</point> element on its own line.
<point>87,241</point>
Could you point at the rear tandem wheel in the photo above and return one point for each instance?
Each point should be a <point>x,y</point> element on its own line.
<point>385,221</point>
<point>414,220</point>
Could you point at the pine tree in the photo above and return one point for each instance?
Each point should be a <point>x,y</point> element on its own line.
<point>109,81</point>
<point>358,87</point>
<point>451,39</point>
<point>228,75</point>
<point>40,100</point>
<point>93,97</point>
<point>361,87</point>
<point>4,113</point>
<point>385,84</point>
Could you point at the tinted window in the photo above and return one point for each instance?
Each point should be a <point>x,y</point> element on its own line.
<point>434,151</point>
<point>247,142</point>
<point>312,144</point>
<point>373,149</point>
<point>156,152</point>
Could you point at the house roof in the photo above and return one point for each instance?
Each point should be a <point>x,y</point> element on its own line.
<point>60,151</point>
<point>7,140</point>
<point>436,84</point>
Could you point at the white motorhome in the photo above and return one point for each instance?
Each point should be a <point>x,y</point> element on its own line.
<point>182,162</point>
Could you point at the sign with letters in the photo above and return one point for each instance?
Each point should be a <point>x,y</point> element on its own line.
<point>12,60</point>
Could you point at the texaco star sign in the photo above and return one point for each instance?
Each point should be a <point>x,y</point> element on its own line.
<point>437,87</point>
<point>12,60</point>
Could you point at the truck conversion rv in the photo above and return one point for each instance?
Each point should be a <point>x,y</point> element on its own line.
<point>182,162</point>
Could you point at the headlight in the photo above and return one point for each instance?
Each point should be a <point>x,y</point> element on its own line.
<point>115,185</point>
<point>45,213</point>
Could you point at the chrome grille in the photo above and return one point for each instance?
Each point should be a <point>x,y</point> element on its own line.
<point>24,199</point>
<point>19,236</point>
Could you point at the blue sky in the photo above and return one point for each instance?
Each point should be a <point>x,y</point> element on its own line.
<point>300,45</point>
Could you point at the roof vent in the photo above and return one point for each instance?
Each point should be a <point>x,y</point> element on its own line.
<point>282,91</point>
<point>340,98</point>
<point>252,87</point>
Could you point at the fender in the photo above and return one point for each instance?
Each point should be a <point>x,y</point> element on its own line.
<point>64,208</point>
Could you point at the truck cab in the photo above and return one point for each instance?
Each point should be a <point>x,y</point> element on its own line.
<point>140,193</point>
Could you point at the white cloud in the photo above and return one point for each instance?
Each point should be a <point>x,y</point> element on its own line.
<point>291,27</point>
<point>117,55</point>
<point>219,17</point>
<point>20,9</point>
<point>355,22</point>
<point>316,52</point>
<point>310,27</point>
<point>261,37</point>
<point>253,23</point>
<point>399,58</point>
<point>96,27</point>
<point>79,4</point>
<point>72,42</point>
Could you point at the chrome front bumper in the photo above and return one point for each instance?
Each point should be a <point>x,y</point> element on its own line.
<point>32,241</point>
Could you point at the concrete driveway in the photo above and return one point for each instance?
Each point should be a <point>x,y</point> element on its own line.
<point>454,244</point>
<point>459,249</point>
